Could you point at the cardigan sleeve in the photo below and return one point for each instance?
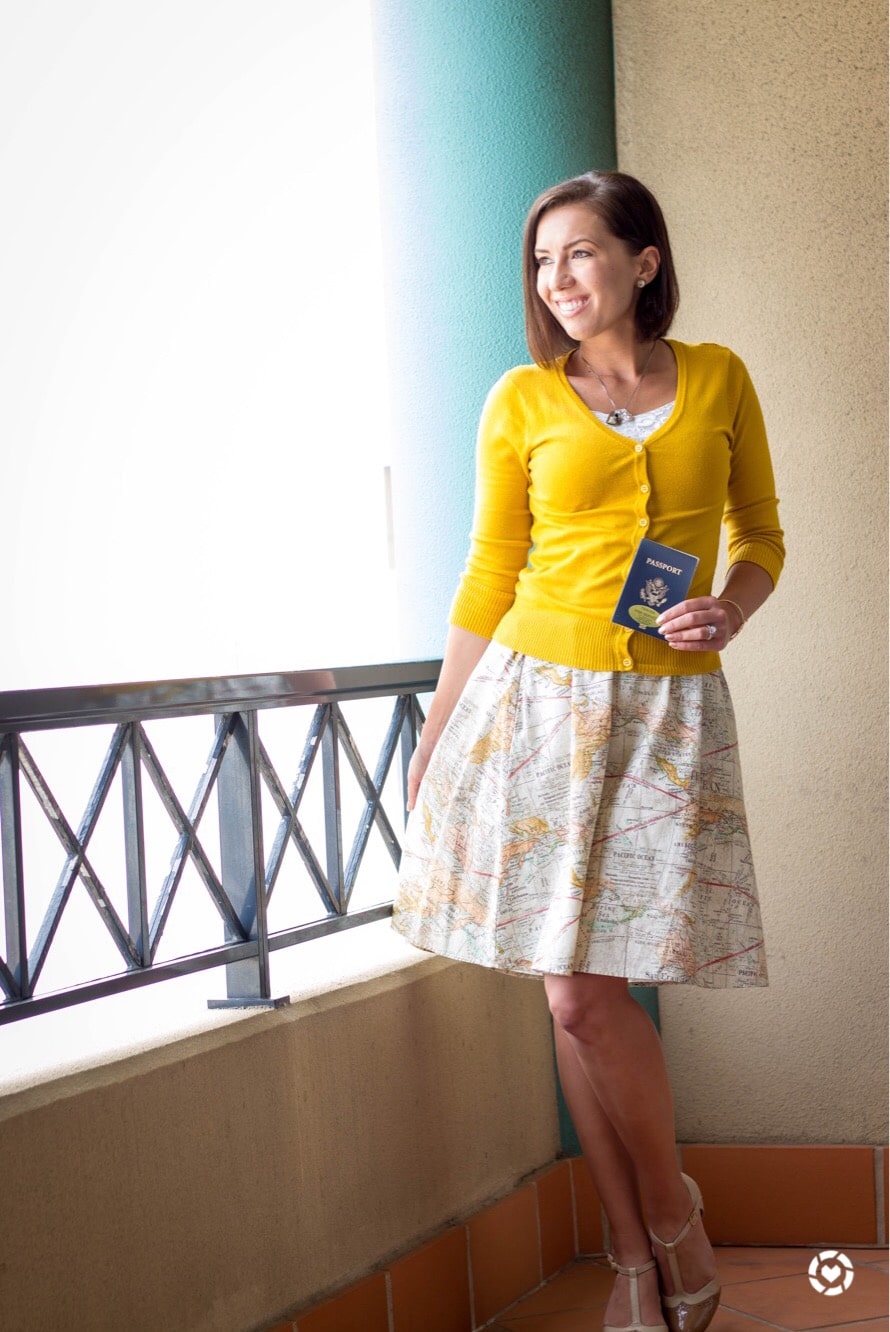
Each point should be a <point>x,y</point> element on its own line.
<point>751,513</point>
<point>501,534</point>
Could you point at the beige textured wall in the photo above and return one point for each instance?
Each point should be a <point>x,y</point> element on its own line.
<point>214,1183</point>
<point>761,128</point>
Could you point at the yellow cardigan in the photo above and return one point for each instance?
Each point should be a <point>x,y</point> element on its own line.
<point>562,502</point>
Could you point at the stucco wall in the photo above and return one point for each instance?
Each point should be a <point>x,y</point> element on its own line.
<point>216,1182</point>
<point>761,128</point>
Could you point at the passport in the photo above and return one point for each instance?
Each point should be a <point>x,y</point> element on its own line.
<point>659,577</point>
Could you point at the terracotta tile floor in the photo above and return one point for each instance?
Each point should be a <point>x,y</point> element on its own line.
<point>762,1288</point>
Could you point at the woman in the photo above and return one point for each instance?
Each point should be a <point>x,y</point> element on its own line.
<point>578,799</point>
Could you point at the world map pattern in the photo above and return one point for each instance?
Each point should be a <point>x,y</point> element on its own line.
<point>585,821</point>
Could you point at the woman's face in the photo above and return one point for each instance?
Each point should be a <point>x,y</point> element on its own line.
<point>587,277</point>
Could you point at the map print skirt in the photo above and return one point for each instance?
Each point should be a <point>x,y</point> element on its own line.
<point>585,821</point>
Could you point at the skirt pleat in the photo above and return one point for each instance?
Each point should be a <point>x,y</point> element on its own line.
<point>585,821</point>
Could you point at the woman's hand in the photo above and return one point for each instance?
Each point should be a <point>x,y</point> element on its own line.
<point>702,624</point>
<point>463,652</point>
<point>685,626</point>
<point>416,768</point>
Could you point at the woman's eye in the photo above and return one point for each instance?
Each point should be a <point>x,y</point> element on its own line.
<point>581,254</point>
<point>543,259</point>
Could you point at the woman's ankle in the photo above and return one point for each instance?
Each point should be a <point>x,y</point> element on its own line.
<point>632,1260</point>
<point>668,1212</point>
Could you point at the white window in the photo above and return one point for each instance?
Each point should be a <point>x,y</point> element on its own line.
<point>193,411</point>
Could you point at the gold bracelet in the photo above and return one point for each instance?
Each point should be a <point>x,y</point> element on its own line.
<point>729,602</point>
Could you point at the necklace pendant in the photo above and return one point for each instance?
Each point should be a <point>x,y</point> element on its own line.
<point>618,417</point>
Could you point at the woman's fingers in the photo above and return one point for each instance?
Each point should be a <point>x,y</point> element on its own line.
<point>685,610</point>
<point>698,625</point>
<point>416,768</point>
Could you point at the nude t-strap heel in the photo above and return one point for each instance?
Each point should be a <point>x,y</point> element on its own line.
<point>635,1325</point>
<point>687,1311</point>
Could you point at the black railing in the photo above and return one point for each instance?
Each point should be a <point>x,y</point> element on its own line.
<point>237,874</point>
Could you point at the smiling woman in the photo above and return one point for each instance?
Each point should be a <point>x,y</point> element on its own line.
<point>588,279</point>
<point>187,498</point>
<point>576,795</point>
<point>621,249</point>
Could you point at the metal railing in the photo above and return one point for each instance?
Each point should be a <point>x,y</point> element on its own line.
<point>238,769</point>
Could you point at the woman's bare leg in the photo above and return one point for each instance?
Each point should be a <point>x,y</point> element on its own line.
<point>615,1181</point>
<point>619,1053</point>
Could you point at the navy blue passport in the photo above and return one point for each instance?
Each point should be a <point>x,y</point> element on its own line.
<point>659,577</point>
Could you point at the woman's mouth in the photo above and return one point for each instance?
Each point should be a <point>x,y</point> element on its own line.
<point>569,308</point>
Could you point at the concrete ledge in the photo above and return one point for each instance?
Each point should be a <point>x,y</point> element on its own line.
<point>86,1037</point>
<point>217,1179</point>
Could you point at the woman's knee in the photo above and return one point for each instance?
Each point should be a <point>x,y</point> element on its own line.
<point>582,1004</point>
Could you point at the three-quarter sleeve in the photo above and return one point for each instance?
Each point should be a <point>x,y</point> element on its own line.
<point>751,514</point>
<point>501,534</point>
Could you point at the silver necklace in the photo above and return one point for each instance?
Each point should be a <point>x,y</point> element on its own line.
<point>618,415</point>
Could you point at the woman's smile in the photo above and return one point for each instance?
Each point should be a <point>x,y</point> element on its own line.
<point>572,306</point>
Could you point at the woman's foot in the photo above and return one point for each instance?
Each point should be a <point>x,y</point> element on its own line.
<point>687,1266</point>
<point>620,1311</point>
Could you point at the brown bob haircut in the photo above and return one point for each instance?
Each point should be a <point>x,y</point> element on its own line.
<point>631,212</point>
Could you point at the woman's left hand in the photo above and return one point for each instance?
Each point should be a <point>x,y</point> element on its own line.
<point>702,624</point>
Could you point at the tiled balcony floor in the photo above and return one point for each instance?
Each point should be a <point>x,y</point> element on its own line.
<point>762,1288</point>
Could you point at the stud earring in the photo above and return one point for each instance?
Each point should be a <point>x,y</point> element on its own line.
<point>641,282</point>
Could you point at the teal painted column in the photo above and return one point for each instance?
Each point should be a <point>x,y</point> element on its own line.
<point>481,105</point>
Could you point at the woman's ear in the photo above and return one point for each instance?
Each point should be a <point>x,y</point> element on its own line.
<point>650,262</point>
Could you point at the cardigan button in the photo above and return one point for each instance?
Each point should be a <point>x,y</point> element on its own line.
<point>644,522</point>
<point>638,448</point>
<point>627,663</point>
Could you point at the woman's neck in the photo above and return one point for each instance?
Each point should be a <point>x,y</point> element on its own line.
<point>618,359</point>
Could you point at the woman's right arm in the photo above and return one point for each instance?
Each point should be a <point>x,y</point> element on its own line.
<point>463,652</point>
<point>498,551</point>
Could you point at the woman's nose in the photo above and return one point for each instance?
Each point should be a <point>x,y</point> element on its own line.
<point>561,274</point>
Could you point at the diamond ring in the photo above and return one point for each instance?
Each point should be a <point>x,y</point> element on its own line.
<point>712,631</point>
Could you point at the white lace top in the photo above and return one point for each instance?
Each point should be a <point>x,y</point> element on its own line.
<point>643,424</point>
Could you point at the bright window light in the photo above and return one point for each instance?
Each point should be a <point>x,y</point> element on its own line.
<point>193,418</point>
<point>193,405</point>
